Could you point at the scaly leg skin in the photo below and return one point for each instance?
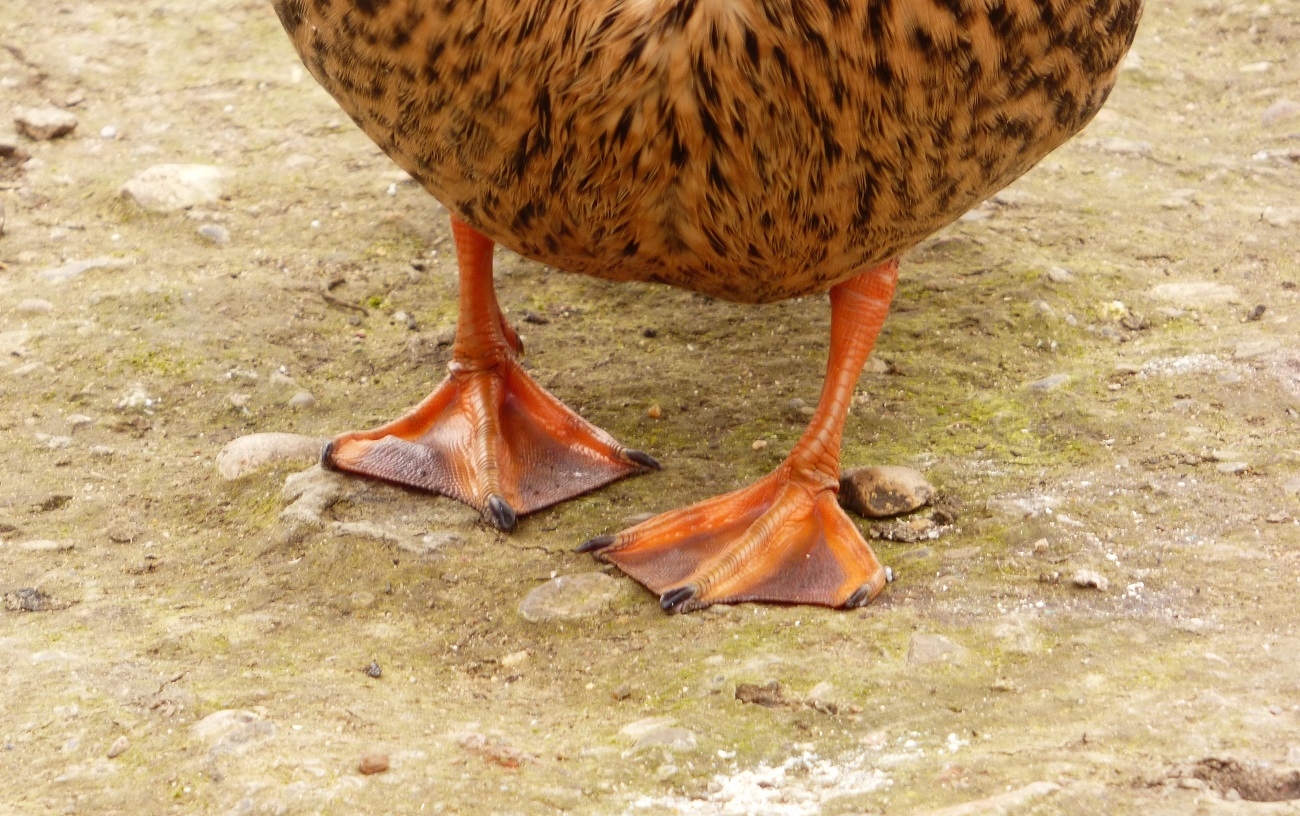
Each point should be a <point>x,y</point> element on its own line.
<point>489,435</point>
<point>783,539</point>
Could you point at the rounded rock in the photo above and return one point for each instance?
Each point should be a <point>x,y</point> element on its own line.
<point>373,763</point>
<point>888,490</point>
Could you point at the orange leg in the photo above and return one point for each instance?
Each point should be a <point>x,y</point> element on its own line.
<point>783,539</point>
<point>489,436</point>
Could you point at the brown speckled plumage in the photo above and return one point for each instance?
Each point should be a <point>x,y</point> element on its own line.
<point>752,150</point>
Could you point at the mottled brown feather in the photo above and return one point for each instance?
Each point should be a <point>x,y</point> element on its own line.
<point>752,150</point>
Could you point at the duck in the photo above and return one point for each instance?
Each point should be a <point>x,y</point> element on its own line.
<point>747,150</point>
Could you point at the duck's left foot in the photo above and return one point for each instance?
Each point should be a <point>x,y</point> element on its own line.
<point>783,539</point>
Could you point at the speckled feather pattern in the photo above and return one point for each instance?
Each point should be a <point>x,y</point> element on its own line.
<point>752,150</point>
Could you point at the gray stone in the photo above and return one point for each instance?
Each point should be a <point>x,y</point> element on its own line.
<point>432,543</point>
<point>1249,349</point>
<point>1282,217</point>
<point>637,730</point>
<point>45,545</point>
<point>302,401</point>
<point>215,233</point>
<point>673,739</point>
<point>1059,274</point>
<point>118,747</point>
<point>170,187</point>
<point>1282,110</point>
<point>926,648</point>
<point>1195,293</point>
<point>1123,147</point>
<point>1090,579</point>
<point>888,490</point>
<point>233,731</point>
<point>35,306</point>
<point>44,123</point>
<point>248,454</point>
<point>570,597</point>
<point>59,274</point>
<point>1049,383</point>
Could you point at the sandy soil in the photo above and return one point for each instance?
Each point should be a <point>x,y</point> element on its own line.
<point>1048,365</point>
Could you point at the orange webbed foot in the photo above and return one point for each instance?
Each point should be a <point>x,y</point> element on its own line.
<point>489,435</point>
<point>783,539</point>
<point>493,439</point>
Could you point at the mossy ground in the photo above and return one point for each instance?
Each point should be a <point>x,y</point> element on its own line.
<point>189,595</point>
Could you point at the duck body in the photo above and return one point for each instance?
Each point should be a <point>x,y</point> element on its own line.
<point>752,150</point>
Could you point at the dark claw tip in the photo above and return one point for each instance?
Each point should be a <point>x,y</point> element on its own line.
<point>644,459</point>
<point>675,600</point>
<point>598,543</point>
<point>327,456</point>
<point>863,596</point>
<point>500,514</point>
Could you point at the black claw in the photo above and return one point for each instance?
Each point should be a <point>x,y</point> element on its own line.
<point>675,600</point>
<point>500,514</point>
<point>600,542</point>
<point>327,456</point>
<point>860,598</point>
<point>643,459</point>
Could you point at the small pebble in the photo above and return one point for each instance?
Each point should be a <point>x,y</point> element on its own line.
<point>118,747</point>
<point>759,444</point>
<point>373,763</point>
<point>654,412</point>
<point>515,658</point>
<point>373,670</point>
<point>1091,579</point>
<point>215,233</point>
<point>108,132</point>
<point>302,400</point>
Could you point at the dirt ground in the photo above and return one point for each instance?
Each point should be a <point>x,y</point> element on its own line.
<point>1097,367</point>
